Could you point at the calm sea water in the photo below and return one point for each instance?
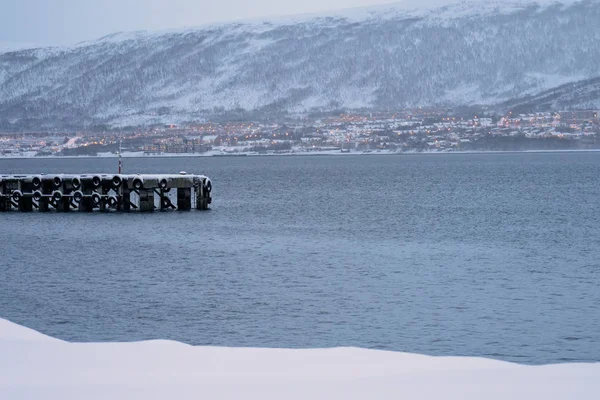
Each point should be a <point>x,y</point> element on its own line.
<point>494,255</point>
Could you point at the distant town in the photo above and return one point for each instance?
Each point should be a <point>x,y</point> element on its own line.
<point>406,131</point>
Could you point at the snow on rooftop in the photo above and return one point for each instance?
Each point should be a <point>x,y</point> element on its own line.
<point>34,366</point>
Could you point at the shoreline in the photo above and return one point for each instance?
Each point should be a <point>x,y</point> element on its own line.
<point>306,154</point>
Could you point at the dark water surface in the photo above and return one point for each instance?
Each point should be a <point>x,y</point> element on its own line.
<point>494,255</point>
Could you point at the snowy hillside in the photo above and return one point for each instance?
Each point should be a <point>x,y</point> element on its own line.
<point>471,52</point>
<point>583,94</point>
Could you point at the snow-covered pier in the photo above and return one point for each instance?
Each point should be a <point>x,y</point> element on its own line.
<point>104,192</point>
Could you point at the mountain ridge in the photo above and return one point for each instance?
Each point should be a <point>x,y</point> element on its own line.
<point>467,53</point>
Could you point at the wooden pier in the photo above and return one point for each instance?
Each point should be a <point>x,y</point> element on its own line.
<point>104,192</point>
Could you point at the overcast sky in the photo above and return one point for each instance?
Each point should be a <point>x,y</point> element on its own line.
<point>72,21</point>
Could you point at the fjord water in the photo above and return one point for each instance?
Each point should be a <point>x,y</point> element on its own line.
<point>492,255</point>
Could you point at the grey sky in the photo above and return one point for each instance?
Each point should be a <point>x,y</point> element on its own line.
<point>72,21</point>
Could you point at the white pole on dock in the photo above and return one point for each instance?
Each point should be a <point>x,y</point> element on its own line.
<point>120,159</point>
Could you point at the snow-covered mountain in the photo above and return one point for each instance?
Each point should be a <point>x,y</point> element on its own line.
<point>388,57</point>
<point>583,94</point>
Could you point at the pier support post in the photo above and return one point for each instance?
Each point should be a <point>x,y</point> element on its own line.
<point>44,205</point>
<point>146,200</point>
<point>4,204</point>
<point>126,199</point>
<point>46,188</point>
<point>26,204</point>
<point>184,199</point>
<point>86,204</point>
<point>65,204</point>
<point>202,198</point>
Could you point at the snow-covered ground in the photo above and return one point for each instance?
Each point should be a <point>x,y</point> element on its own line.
<point>216,153</point>
<point>35,366</point>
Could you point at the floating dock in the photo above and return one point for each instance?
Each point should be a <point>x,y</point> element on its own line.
<point>104,192</point>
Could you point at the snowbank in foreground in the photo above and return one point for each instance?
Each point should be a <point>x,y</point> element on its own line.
<point>35,366</point>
